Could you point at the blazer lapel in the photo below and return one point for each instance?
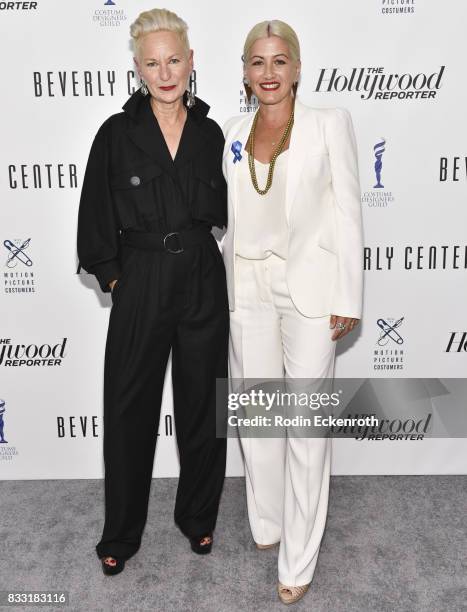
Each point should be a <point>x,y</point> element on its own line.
<point>240,135</point>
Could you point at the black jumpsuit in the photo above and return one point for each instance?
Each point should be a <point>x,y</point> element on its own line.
<point>162,301</point>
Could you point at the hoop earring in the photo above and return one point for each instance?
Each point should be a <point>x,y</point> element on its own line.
<point>144,88</point>
<point>190,101</point>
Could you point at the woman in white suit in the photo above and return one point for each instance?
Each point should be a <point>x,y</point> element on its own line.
<point>293,253</point>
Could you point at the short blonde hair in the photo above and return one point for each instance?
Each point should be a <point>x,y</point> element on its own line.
<point>154,21</point>
<point>272,28</point>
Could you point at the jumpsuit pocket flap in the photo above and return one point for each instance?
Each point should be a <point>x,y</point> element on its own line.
<point>211,177</point>
<point>135,176</point>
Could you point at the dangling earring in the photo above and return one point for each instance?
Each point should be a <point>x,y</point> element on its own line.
<point>295,87</point>
<point>248,90</point>
<point>190,101</point>
<point>144,88</point>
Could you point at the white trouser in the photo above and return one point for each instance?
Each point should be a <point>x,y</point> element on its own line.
<point>287,479</point>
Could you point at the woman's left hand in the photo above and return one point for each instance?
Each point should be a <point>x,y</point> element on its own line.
<point>347,321</point>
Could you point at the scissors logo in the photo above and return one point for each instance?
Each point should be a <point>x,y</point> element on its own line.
<point>17,253</point>
<point>388,332</point>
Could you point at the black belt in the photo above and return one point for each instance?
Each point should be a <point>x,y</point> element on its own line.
<point>173,242</point>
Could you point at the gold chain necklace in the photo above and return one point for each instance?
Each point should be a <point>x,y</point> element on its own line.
<point>277,152</point>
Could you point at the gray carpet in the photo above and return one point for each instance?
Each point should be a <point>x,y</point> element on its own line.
<point>392,543</point>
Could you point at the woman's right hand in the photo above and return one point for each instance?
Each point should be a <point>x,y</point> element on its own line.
<point>112,284</point>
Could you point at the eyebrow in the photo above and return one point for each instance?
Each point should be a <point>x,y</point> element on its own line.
<point>277,55</point>
<point>152,59</point>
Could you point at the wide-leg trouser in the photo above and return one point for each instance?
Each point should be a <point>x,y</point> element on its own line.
<point>164,302</point>
<point>287,479</point>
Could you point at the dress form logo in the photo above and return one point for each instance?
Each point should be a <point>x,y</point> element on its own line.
<point>379,150</point>
<point>18,276</point>
<point>109,16</point>
<point>2,424</point>
<point>388,354</point>
<point>6,452</point>
<point>374,83</point>
<point>397,7</point>
<point>378,197</point>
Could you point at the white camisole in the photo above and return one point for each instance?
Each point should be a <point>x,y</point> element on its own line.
<point>261,222</point>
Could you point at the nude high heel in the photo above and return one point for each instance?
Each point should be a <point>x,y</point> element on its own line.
<point>291,594</point>
<point>266,546</point>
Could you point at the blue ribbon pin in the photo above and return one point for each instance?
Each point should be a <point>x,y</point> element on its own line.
<point>236,148</point>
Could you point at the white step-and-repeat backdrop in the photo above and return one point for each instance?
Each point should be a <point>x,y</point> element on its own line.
<point>397,65</point>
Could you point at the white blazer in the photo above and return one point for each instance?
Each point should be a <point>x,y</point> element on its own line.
<point>325,250</point>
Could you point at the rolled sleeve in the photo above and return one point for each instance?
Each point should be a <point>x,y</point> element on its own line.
<point>98,231</point>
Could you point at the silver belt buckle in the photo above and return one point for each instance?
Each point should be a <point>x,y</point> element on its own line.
<point>179,250</point>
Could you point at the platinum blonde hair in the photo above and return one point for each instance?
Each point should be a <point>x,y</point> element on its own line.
<point>264,29</point>
<point>272,28</point>
<point>156,20</point>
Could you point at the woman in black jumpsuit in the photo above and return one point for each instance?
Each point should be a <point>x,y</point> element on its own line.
<point>145,219</point>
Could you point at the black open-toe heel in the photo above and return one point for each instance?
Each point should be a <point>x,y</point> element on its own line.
<point>112,565</point>
<point>200,546</point>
